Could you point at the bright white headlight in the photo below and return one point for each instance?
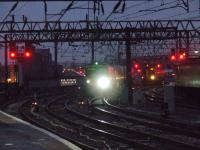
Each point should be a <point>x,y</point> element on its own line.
<point>103,82</point>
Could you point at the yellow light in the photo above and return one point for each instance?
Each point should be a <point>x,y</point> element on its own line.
<point>9,80</point>
<point>152,77</point>
<point>151,68</point>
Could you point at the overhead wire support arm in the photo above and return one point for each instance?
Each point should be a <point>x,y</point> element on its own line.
<point>186,4</point>
<point>45,10</point>
<point>11,10</point>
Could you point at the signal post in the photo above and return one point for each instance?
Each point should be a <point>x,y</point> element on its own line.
<point>19,57</point>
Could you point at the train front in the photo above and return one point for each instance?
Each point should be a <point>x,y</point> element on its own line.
<point>100,81</point>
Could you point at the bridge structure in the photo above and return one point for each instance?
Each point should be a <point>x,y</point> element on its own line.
<point>182,33</point>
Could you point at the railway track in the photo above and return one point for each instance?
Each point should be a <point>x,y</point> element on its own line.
<point>90,131</point>
<point>154,138</point>
<point>164,126</point>
<point>109,140</point>
<point>45,118</point>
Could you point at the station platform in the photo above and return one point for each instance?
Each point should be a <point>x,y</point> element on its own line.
<point>16,134</point>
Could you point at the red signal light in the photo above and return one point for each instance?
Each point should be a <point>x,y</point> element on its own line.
<point>136,66</point>
<point>181,57</point>
<point>27,54</point>
<point>12,55</point>
<point>173,57</point>
<point>158,66</point>
<point>139,70</point>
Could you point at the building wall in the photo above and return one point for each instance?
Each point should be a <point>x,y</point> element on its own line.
<point>40,66</point>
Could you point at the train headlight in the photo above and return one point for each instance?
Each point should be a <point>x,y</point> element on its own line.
<point>88,81</point>
<point>152,77</point>
<point>103,82</point>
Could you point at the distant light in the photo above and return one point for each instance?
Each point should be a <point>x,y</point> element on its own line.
<point>27,54</point>
<point>158,65</point>
<point>136,66</point>
<point>88,81</point>
<point>13,55</point>
<point>196,52</point>
<point>9,80</point>
<point>8,144</point>
<point>181,56</point>
<point>96,63</point>
<point>139,70</point>
<point>173,58</point>
<point>151,69</point>
<point>34,103</point>
<point>152,77</point>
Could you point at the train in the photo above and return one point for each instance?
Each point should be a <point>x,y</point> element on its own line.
<point>102,80</point>
<point>107,80</point>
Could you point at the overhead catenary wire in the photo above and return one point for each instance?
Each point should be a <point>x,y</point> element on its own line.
<point>150,13</point>
<point>133,14</point>
<point>11,10</point>
<point>180,14</point>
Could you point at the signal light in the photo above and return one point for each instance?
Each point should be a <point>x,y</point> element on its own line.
<point>136,66</point>
<point>181,57</point>
<point>12,55</point>
<point>173,57</point>
<point>27,54</point>
<point>139,70</point>
<point>158,66</point>
<point>152,77</point>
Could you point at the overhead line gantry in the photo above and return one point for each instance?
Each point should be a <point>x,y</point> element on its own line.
<point>79,31</point>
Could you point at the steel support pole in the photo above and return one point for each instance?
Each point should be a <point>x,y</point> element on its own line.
<point>6,58</point>
<point>56,58</point>
<point>128,68</point>
<point>92,51</point>
<point>187,42</point>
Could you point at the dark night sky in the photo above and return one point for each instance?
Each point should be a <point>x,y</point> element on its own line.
<point>134,11</point>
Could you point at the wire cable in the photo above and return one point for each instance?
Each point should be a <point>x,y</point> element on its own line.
<point>158,6</point>
<point>151,12</point>
<point>11,10</point>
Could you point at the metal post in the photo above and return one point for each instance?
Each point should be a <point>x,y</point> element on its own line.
<point>6,57</point>
<point>177,48</point>
<point>56,58</point>
<point>128,68</point>
<point>118,55</point>
<point>92,51</point>
<point>187,42</point>
<point>179,43</point>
